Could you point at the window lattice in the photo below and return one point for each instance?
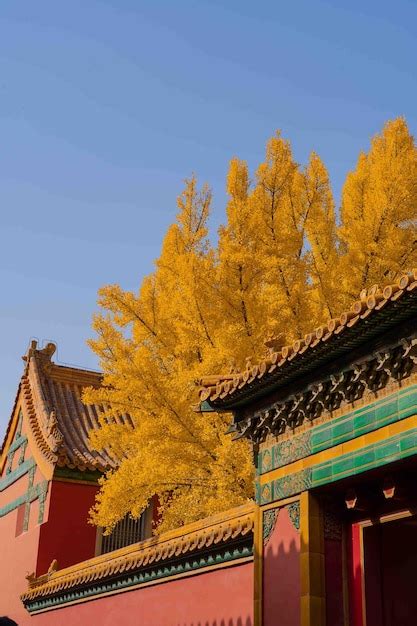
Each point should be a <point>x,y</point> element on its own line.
<point>126,532</point>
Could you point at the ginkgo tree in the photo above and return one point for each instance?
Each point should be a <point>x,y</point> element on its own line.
<point>282,265</point>
<point>378,211</point>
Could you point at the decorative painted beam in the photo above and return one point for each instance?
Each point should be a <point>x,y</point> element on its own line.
<point>393,363</point>
<point>367,458</point>
<point>392,408</point>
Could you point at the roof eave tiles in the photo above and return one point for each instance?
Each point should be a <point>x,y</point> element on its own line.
<point>376,312</point>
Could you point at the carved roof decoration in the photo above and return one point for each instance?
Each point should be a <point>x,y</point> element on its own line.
<point>378,310</point>
<point>224,528</point>
<point>58,421</point>
<point>369,375</point>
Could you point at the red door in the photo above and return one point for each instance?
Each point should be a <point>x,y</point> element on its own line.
<point>383,574</point>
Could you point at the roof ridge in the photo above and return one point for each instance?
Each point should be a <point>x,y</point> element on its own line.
<point>46,353</point>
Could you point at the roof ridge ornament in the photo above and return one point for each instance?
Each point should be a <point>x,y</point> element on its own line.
<point>53,433</point>
<point>46,353</point>
<point>274,342</point>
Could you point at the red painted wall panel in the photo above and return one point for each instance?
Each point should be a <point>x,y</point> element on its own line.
<point>222,597</point>
<point>17,558</point>
<point>333,559</point>
<point>281,574</point>
<point>67,536</point>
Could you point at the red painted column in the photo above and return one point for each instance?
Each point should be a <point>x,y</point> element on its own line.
<point>356,575</point>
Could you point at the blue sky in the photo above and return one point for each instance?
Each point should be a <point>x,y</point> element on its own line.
<point>106,106</point>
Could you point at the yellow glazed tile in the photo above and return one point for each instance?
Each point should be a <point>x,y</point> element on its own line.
<point>326,455</point>
<point>308,461</point>
<point>377,435</point>
<point>353,445</point>
<point>397,428</point>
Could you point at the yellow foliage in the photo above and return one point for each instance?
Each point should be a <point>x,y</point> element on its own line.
<point>281,266</point>
<point>378,212</point>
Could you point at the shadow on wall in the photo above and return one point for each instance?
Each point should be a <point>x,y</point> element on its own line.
<point>281,593</point>
<point>283,554</point>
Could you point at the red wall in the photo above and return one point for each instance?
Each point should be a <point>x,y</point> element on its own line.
<point>18,549</point>
<point>281,574</point>
<point>223,597</point>
<point>67,536</point>
<point>64,535</point>
<point>17,558</point>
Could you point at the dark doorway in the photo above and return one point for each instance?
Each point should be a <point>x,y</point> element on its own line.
<point>390,566</point>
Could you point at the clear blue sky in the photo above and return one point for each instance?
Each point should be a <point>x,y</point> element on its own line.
<point>106,106</point>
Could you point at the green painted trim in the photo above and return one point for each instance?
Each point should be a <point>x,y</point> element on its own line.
<point>33,493</point>
<point>269,519</point>
<point>22,452</point>
<point>376,455</point>
<point>17,443</point>
<point>74,474</point>
<point>13,476</point>
<point>294,514</point>
<point>9,463</point>
<point>393,408</point>
<point>26,517</point>
<point>31,475</point>
<point>291,484</point>
<point>42,501</point>
<point>205,407</point>
<point>190,564</point>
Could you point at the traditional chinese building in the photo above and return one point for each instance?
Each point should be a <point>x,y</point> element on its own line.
<point>333,422</point>
<point>331,539</point>
<point>67,571</point>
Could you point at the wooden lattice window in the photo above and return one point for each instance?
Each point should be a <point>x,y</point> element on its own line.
<point>126,532</point>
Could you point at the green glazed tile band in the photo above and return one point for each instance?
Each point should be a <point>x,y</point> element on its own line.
<point>75,474</point>
<point>393,408</point>
<point>376,455</point>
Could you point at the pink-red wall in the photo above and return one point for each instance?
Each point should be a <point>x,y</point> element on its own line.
<point>281,574</point>
<point>64,535</point>
<point>67,536</point>
<point>223,597</point>
<point>17,558</point>
<point>18,549</point>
